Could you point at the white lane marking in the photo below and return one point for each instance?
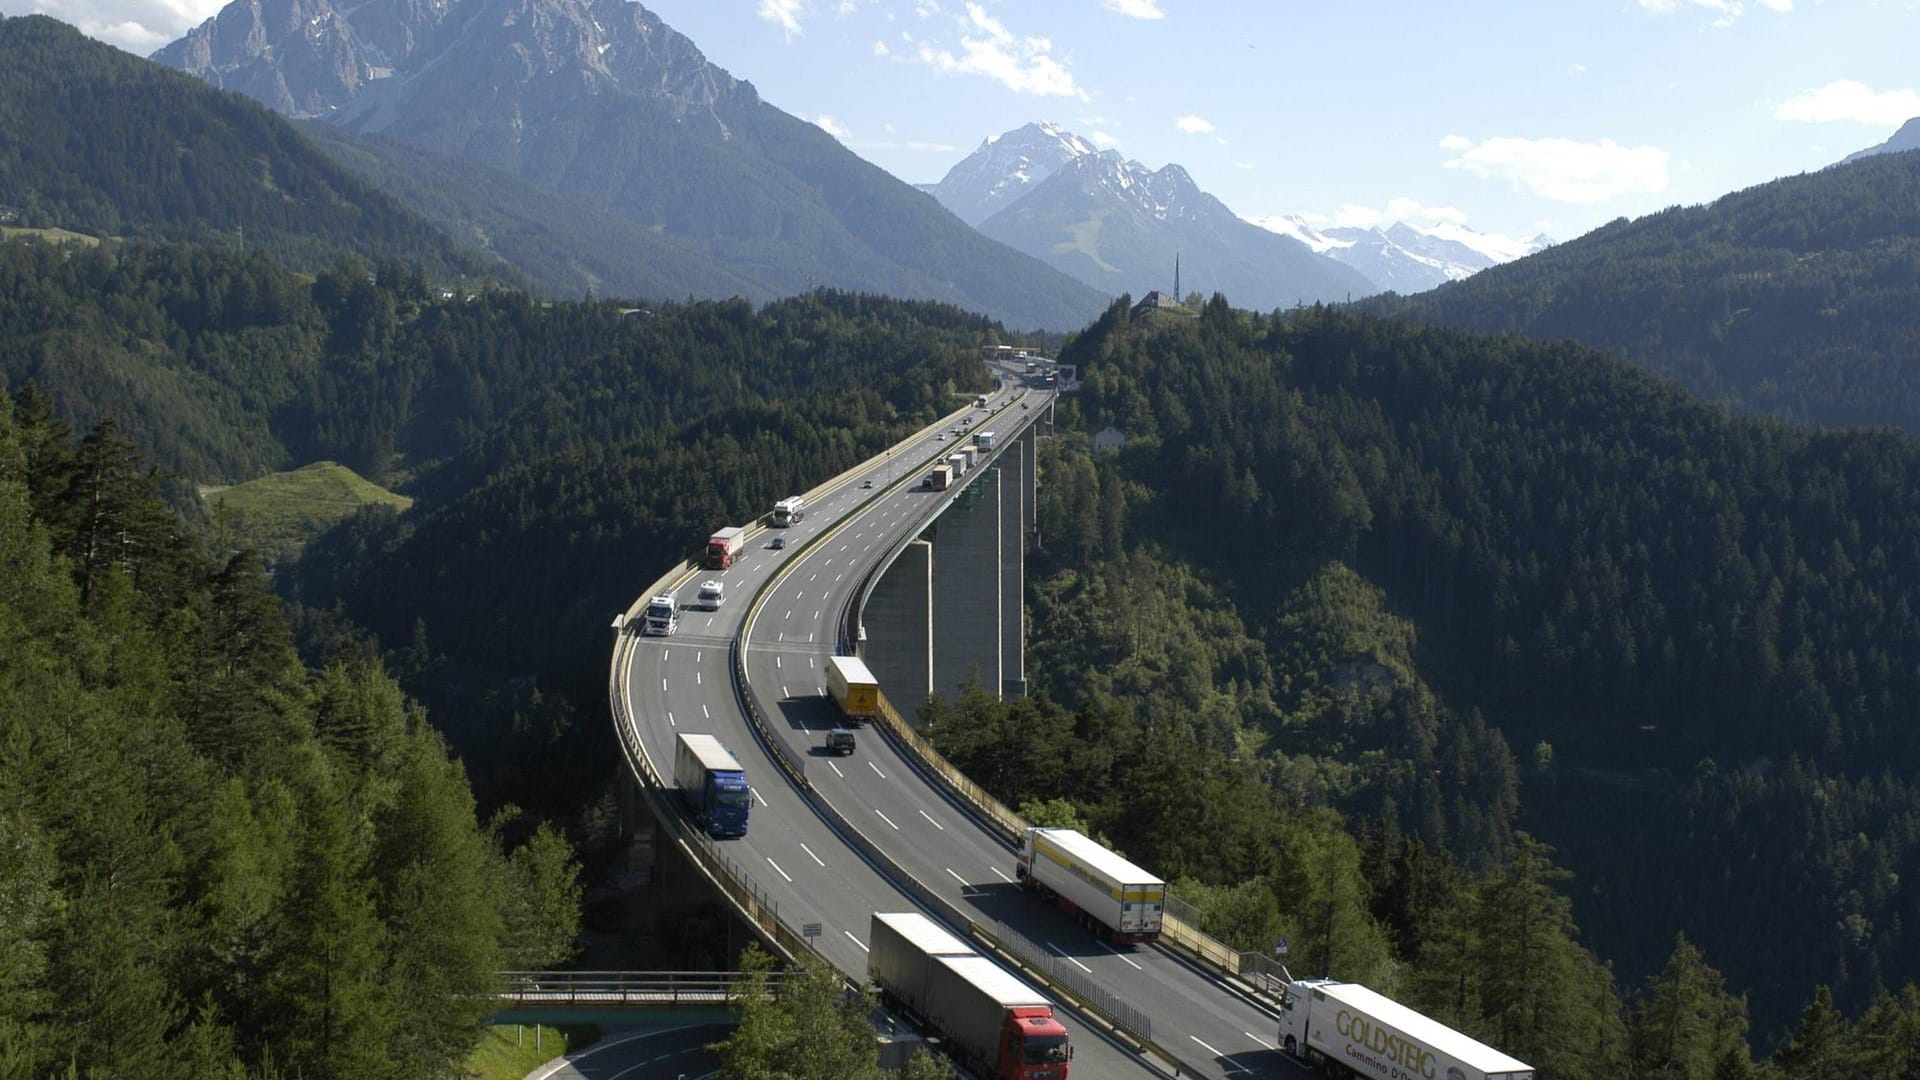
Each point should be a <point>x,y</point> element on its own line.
<point>856,941</point>
<point>876,770</point>
<point>757,795</point>
<point>782,636</point>
<point>836,770</point>
<point>809,639</point>
<point>705,712</point>
<point>1088,970</point>
<point>777,663</point>
<point>1003,877</point>
<point>1209,1049</point>
<point>1259,1040</point>
<point>783,691</point>
<point>932,822</point>
<point>777,870</point>
<point>789,613</point>
<point>697,655</point>
<point>666,655</point>
<point>811,855</point>
<point>810,577</point>
<point>885,818</point>
<point>663,685</point>
<point>840,575</point>
<point>697,680</point>
<point>823,691</point>
<point>956,877</point>
<point>670,722</point>
<point>810,662</point>
<point>816,616</point>
<point>1121,955</point>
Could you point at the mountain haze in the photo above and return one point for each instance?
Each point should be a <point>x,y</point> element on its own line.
<point>1118,225</point>
<point>1907,138</point>
<point>143,152</point>
<point>1798,298</point>
<point>603,103</point>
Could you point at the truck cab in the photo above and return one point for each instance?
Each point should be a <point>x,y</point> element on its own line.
<point>712,595</point>
<point>1034,1046</point>
<point>662,616</point>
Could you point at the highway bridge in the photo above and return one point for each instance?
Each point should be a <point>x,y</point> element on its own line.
<point>835,839</point>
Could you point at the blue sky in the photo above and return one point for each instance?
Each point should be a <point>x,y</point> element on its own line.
<point>1519,117</point>
<point>1514,117</point>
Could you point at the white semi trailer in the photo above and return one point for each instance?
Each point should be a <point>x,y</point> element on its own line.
<point>1370,1034</point>
<point>1116,898</point>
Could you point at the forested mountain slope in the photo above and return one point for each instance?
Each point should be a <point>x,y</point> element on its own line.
<point>220,862</point>
<point>1696,633</point>
<point>1798,298</point>
<point>99,142</point>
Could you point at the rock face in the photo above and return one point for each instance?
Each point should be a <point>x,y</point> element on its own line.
<point>602,101</point>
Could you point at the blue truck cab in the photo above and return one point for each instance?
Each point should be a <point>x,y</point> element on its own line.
<point>713,784</point>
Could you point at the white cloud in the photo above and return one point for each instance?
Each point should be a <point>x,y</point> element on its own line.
<point>1564,170</point>
<point>1103,140</point>
<point>1576,69</point>
<point>138,26</point>
<point>1845,99</point>
<point>1727,10</point>
<point>787,13</point>
<point>1245,165</point>
<point>1023,65</point>
<point>926,9</point>
<point>880,48</point>
<point>833,127</point>
<point>1193,125</point>
<point>1413,210</point>
<point>1139,9</point>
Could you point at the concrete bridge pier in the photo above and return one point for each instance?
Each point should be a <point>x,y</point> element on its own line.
<point>898,621</point>
<point>1015,468</point>
<point>967,589</point>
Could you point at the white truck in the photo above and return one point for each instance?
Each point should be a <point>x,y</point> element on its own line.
<point>662,616</point>
<point>980,402</point>
<point>983,440</point>
<point>995,1024</point>
<point>1369,1034</point>
<point>712,595</point>
<point>958,462</point>
<point>1113,897</point>
<point>789,511</point>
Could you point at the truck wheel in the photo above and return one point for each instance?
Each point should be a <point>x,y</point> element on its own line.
<point>1292,1047</point>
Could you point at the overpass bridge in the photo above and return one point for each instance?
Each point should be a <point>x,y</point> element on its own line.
<point>928,587</point>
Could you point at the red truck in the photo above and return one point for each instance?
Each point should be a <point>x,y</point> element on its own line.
<point>995,1024</point>
<point>723,546</point>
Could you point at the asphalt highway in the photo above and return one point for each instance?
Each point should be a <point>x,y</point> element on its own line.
<point>1212,1028</point>
<point>810,873</point>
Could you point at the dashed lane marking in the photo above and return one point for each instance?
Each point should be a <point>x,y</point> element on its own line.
<point>811,855</point>
<point>1003,877</point>
<point>932,822</point>
<point>885,818</point>
<point>856,941</point>
<point>876,770</point>
<point>777,870</point>
<point>1076,963</point>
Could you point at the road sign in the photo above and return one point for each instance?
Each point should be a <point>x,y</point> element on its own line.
<point>810,930</point>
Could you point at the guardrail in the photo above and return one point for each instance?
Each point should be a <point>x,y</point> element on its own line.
<point>1179,930</point>
<point>746,896</point>
<point>636,989</point>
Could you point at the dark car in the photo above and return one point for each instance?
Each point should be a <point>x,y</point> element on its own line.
<point>840,741</point>
<point>778,543</point>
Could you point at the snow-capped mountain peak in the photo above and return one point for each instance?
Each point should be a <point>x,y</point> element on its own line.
<point>1007,166</point>
<point>1404,257</point>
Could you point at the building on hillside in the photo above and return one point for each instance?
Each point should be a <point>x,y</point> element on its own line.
<point>1157,301</point>
<point>1108,440</point>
